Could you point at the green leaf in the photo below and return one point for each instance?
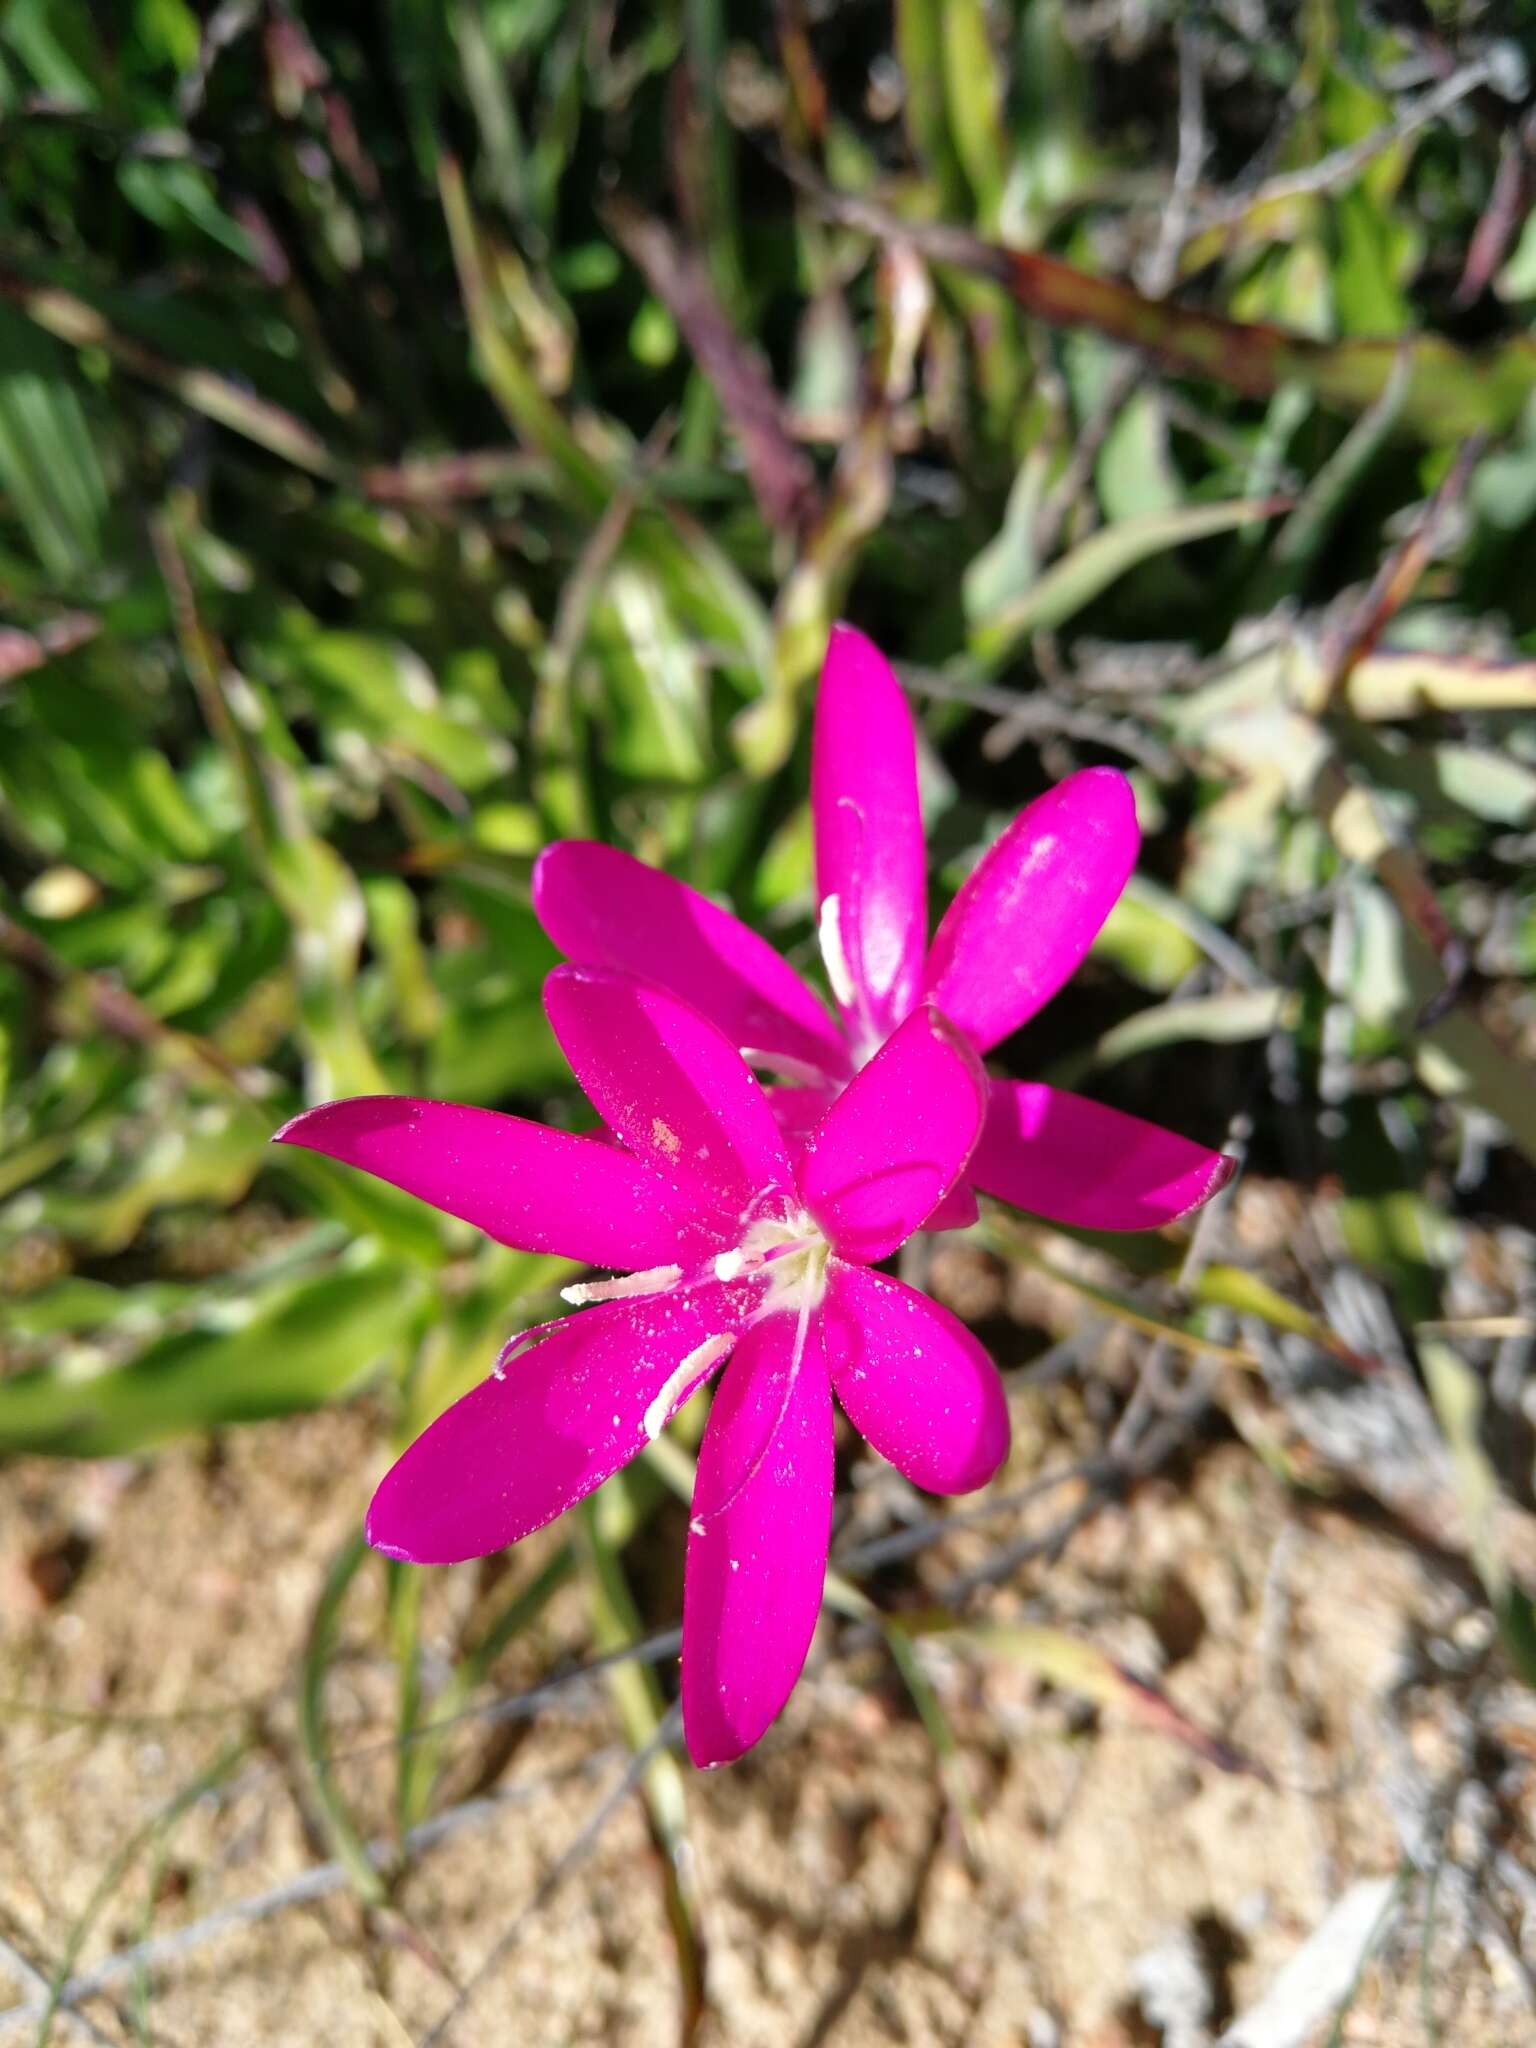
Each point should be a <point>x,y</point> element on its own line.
<point>641,1710</point>
<point>203,1152</point>
<point>1147,945</point>
<point>49,467</point>
<point>309,1343</point>
<point>510,1291</point>
<point>1090,568</point>
<point>1009,565</point>
<point>1232,1018</point>
<point>394,931</point>
<point>319,1655</point>
<point>1451,392</point>
<point>1078,1666</point>
<point>379,688</point>
<point>655,691</point>
<point>920,52</point>
<point>974,102</point>
<point>1458,1405</point>
<point>1251,1295</point>
<point>1490,785</point>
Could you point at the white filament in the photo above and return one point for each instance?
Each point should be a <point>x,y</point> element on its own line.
<point>694,1366</point>
<point>654,1280</point>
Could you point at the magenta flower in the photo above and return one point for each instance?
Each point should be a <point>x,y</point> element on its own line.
<point>731,1248</point>
<point>1016,931</point>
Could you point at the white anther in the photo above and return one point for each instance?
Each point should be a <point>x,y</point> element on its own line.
<point>655,1280</point>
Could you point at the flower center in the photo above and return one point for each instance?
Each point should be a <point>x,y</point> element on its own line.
<point>791,1255</point>
<point>786,1252</point>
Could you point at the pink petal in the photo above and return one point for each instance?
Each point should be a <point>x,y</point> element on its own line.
<point>521,1183</point>
<point>956,1211</point>
<point>797,1111</point>
<point>568,1412</point>
<point>914,1381</point>
<point>896,1140</point>
<point>869,830</point>
<point>676,1092</point>
<point>604,907</point>
<point>1032,907</point>
<point>757,1544</point>
<point>1076,1161</point>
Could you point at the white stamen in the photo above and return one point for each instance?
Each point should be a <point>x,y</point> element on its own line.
<point>525,1340</point>
<point>829,934</point>
<point>698,1361</point>
<point>653,1281</point>
<point>785,1250</point>
<point>795,1264</point>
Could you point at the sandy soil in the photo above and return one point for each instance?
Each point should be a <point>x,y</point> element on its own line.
<point>1108,1888</point>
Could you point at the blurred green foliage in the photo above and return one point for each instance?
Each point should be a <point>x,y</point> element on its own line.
<point>384,492</point>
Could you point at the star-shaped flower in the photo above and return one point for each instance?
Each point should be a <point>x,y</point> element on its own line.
<point>734,1245</point>
<point>1018,928</point>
